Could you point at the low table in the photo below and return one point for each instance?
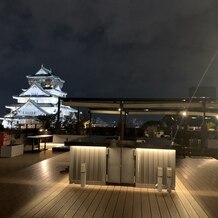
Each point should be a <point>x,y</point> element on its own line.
<point>37,139</point>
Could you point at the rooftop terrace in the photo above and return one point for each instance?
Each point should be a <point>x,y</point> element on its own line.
<point>36,185</point>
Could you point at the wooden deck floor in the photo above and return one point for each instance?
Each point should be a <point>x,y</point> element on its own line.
<point>200,176</point>
<point>40,190</point>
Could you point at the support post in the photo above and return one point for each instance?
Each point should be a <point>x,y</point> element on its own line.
<point>159,178</point>
<point>83,174</point>
<point>78,121</point>
<point>169,179</point>
<point>90,123</point>
<point>125,123</point>
<point>58,115</point>
<point>121,122</point>
<point>204,131</point>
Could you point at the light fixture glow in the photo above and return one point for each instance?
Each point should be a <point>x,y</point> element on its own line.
<point>184,113</point>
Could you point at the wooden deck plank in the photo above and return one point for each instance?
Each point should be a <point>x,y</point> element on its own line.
<point>32,182</point>
<point>203,170</point>
<point>118,211</point>
<point>200,180</point>
<point>128,208</point>
<point>194,185</point>
<point>155,212</point>
<point>112,203</point>
<point>191,212</point>
<point>82,210</point>
<point>54,202</point>
<point>72,190</point>
<point>137,203</point>
<point>32,206</point>
<point>79,202</point>
<point>191,200</point>
<point>162,205</point>
<point>41,191</point>
<point>49,198</point>
<point>146,209</point>
<point>63,210</point>
<point>171,205</point>
<point>95,203</point>
<point>103,204</point>
<point>200,177</point>
<point>178,203</point>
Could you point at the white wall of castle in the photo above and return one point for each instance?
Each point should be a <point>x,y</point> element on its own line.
<point>38,100</point>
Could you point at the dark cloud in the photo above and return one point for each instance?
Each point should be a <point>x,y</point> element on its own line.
<point>117,48</point>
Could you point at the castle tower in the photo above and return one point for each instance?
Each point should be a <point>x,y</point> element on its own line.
<point>41,98</point>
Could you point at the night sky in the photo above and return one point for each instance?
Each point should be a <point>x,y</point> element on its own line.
<point>113,48</point>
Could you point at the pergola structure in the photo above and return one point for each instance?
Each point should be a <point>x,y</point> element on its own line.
<point>145,106</point>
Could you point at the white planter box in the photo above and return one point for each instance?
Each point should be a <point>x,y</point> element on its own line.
<point>12,151</point>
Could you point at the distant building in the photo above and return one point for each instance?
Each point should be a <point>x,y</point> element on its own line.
<point>98,122</point>
<point>41,98</point>
<point>202,92</point>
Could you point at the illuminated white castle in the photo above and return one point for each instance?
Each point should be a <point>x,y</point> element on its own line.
<point>41,98</point>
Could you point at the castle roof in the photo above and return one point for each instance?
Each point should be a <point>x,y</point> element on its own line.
<point>35,90</point>
<point>30,108</point>
<point>44,72</point>
<point>21,104</point>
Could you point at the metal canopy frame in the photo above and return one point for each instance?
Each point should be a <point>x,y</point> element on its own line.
<point>143,106</point>
<point>146,106</point>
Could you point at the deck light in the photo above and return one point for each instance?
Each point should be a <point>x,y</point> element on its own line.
<point>184,113</point>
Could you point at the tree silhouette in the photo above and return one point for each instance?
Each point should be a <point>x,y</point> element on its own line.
<point>47,121</point>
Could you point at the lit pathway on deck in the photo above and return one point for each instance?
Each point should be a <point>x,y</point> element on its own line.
<point>41,190</point>
<point>70,200</point>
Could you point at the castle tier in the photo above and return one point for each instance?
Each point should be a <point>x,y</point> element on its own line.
<point>41,98</point>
